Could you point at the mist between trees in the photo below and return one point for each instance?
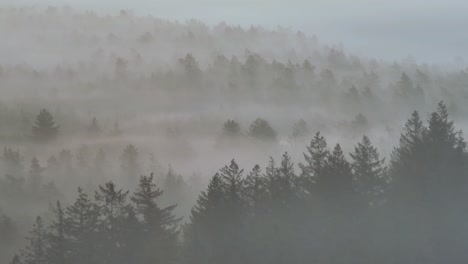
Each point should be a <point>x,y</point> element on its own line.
<point>130,139</point>
<point>331,211</point>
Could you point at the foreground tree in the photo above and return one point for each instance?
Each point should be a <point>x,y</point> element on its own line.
<point>369,172</point>
<point>36,250</point>
<point>159,227</point>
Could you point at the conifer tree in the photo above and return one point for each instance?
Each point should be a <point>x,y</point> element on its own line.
<point>35,173</point>
<point>231,129</point>
<point>336,183</point>
<point>369,171</point>
<point>12,162</point>
<point>45,128</point>
<point>315,162</point>
<point>159,224</point>
<point>94,127</point>
<point>129,161</point>
<point>57,237</point>
<point>299,130</point>
<point>261,129</point>
<point>205,232</point>
<point>255,188</point>
<point>112,204</point>
<point>16,260</point>
<point>82,226</point>
<point>36,250</point>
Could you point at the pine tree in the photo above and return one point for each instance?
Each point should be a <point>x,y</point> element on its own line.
<point>261,129</point>
<point>36,250</point>
<point>35,173</point>
<point>129,161</point>
<point>204,236</point>
<point>300,130</point>
<point>112,204</point>
<point>231,129</point>
<point>82,227</point>
<point>255,189</point>
<point>336,184</point>
<point>94,127</point>
<point>58,241</point>
<point>12,162</point>
<point>315,162</point>
<point>159,224</point>
<point>369,171</point>
<point>16,260</point>
<point>45,128</point>
<point>285,182</point>
<point>231,177</point>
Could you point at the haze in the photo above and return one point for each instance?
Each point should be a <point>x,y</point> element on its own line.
<point>226,132</point>
<point>426,30</point>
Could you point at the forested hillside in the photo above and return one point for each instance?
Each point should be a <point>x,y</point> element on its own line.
<point>134,139</point>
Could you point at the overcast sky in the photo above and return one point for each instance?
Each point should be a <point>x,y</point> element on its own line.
<point>432,31</point>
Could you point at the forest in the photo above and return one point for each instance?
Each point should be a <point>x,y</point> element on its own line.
<point>134,139</point>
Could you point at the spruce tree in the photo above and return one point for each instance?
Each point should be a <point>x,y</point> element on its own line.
<point>45,128</point>
<point>82,227</point>
<point>94,127</point>
<point>16,260</point>
<point>261,129</point>
<point>315,162</point>
<point>206,240</point>
<point>59,245</point>
<point>369,171</point>
<point>255,189</point>
<point>336,185</point>
<point>36,250</point>
<point>231,129</point>
<point>112,204</point>
<point>35,173</point>
<point>129,161</point>
<point>159,228</point>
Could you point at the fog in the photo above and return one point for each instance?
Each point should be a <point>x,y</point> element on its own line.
<point>101,95</point>
<point>426,30</point>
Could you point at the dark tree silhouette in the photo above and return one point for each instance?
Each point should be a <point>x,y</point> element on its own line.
<point>261,129</point>
<point>45,128</point>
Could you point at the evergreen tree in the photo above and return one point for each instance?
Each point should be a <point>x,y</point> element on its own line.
<point>112,206</point>
<point>36,250</point>
<point>16,260</point>
<point>315,162</point>
<point>82,227</point>
<point>300,130</point>
<point>205,238</point>
<point>45,128</point>
<point>129,161</point>
<point>284,182</point>
<point>159,224</point>
<point>35,173</point>
<point>369,171</point>
<point>336,183</point>
<point>231,177</point>
<point>261,129</point>
<point>231,129</point>
<point>58,250</point>
<point>94,127</point>
<point>255,189</point>
<point>12,162</point>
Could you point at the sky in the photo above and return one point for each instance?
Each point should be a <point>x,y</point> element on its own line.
<point>430,31</point>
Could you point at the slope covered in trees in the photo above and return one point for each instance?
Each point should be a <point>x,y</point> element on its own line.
<point>333,210</point>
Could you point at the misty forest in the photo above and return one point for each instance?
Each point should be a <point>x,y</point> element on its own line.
<point>133,139</point>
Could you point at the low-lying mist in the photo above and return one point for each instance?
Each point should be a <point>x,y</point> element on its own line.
<point>88,99</point>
